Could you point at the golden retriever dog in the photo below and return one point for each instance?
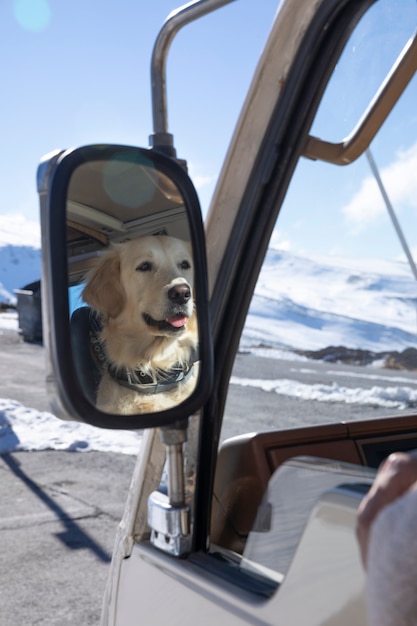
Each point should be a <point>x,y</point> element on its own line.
<point>142,291</point>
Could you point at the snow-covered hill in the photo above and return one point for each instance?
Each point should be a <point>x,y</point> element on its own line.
<point>20,255</point>
<point>19,266</point>
<point>311,303</point>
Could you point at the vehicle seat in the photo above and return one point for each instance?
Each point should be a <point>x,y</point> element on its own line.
<point>89,357</point>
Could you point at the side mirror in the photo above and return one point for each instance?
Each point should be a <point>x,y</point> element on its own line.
<point>124,288</point>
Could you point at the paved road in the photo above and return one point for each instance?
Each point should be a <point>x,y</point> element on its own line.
<point>59,511</point>
<point>22,371</point>
<point>58,517</point>
<point>263,410</point>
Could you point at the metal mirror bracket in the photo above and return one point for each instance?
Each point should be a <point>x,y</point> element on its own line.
<point>375,115</point>
<point>161,139</point>
<point>168,514</point>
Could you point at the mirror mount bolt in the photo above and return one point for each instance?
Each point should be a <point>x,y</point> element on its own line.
<point>168,514</point>
<point>164,142</point>
<point>182,16</point>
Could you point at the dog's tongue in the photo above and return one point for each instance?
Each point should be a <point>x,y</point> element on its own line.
<point>177,320</point>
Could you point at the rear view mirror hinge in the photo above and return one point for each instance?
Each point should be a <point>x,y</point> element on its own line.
<point>168,514</point>
<point>161,139</point>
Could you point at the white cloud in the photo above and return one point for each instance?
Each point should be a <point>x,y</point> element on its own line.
<point>278,241</point>
<point>204,185</point>
<point>202,181</point>
<point>400,182</point>
<point>199,180</point>
<point>17,230</point>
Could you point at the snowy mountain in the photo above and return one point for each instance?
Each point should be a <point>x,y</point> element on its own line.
<point>19,266</point>
<point>20,255</point>
<point>309,303</point>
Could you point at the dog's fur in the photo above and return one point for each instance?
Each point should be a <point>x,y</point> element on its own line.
<point>143,292</point>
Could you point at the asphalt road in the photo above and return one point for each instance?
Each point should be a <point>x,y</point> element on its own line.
<point>59,510</point>
<point>58,517</point>
<point>261,410</point>
<point>22,371</point>
<point>59,513</point>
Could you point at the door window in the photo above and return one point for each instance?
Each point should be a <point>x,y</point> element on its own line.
<point>331,334</point>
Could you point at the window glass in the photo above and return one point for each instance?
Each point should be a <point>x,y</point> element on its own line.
<point>293,491</point>
<point>331,333</point>
<point>367,58</point>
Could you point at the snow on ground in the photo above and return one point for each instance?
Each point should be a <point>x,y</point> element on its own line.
<point>9,321</point>
<point>397,397</point>
<point>299,303</point>
<point>22,428</point>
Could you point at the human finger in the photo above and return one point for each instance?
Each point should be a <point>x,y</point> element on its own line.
<point>394,477</point>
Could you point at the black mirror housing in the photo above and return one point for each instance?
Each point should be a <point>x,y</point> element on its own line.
<point>83,216</point>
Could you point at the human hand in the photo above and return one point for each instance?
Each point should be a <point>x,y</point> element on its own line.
<point>396,475</point>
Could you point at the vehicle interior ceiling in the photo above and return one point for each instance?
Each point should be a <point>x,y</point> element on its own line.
<point>246,463</point>
<point>95,221</point>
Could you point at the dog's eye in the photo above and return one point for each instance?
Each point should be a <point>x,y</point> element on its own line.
<point>185,265</point>
<point>146,266</point>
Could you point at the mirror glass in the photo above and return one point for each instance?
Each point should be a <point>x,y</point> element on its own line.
<point>131,279</point>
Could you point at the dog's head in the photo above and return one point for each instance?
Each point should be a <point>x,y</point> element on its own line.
<point>146,282</point>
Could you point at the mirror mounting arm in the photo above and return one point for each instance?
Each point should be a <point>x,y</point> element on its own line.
<point>174,438</point>
<point>161,139</point>
<point>168,514</point>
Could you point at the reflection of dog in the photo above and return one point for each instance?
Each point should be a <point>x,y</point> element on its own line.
<point>142,290</point>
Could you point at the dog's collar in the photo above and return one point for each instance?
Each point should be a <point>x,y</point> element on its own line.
<point>164,380</point>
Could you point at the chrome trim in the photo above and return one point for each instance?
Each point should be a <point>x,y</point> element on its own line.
<point>375,115</point>
<point>176,19</point>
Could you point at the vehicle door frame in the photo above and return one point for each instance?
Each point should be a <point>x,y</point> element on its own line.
<point>299,88</point>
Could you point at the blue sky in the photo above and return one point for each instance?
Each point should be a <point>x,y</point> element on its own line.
<point>339,210</point>
<point>78,72</point>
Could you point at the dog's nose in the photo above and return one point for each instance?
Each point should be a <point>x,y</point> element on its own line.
<point>179,294</point>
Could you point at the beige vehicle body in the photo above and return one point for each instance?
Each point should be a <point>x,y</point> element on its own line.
<point>324,583</point>
<point>265,530</point>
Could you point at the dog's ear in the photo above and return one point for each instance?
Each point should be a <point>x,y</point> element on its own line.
<point>104,290</point>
